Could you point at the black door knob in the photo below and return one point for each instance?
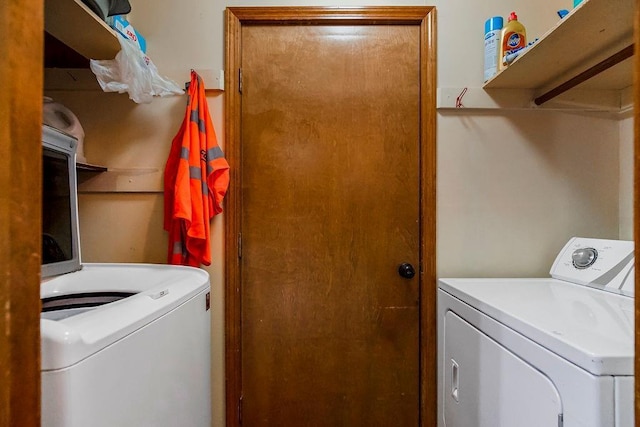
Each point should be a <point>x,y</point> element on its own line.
<point>406,270</point>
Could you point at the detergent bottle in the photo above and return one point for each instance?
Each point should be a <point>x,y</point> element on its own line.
<point>514,38</point>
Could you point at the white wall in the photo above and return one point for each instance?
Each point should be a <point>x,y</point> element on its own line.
<point>626,179</point>
<point>512,185</point>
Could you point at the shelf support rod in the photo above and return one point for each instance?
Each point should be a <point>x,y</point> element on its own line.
<point>614,59</point>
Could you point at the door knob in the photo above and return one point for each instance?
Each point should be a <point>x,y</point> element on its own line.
<point>406,270</point>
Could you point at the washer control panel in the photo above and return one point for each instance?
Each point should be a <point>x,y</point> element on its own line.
<point>600,263</point>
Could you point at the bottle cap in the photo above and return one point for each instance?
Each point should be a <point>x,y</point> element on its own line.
<point>513,17</point>
<point>493,24</point>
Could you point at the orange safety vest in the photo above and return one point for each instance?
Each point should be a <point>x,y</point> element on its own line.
<point>196,178</point>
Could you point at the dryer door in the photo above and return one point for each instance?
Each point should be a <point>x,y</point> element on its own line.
<point>485,385</point>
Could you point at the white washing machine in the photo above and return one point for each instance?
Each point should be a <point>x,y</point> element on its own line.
<point>555,352</point>
<point>126,345</point>
<point>123,345</point>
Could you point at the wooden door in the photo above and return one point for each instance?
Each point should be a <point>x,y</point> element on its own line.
<point>330,172</point>
<point>21,42</point>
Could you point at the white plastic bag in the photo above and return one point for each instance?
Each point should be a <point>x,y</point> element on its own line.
<point>132,71</point>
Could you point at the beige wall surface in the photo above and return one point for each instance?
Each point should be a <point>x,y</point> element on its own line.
<point>626,179</point>
<point>513,186</point>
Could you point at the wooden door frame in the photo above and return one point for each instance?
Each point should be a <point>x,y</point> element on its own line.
<point>425,17</point>
<point>636,201</point>
<point>21,27</point>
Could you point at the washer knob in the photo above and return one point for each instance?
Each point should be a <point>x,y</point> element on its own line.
<point>584,257</point>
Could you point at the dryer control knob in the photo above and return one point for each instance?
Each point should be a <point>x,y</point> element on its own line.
<point>584,257</point>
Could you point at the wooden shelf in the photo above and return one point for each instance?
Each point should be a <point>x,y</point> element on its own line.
<point>86,167</point>
<point>75,25</point>
<point>591,33</point>
<point>122,180</point>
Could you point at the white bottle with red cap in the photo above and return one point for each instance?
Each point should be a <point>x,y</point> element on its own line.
<point>514,38</point>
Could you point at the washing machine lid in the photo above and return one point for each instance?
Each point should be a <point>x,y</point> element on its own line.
<point>592,328</point>
<point>155,291</point>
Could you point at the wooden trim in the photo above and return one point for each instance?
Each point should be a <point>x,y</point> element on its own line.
<point>636,202</point>
<point>233,214</point>
<point>329,15</point>
<point>236,17</point>
<point>428,303</point>
<point>21,74</point>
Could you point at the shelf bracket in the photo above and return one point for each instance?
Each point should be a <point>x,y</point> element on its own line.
<point>614,59</point>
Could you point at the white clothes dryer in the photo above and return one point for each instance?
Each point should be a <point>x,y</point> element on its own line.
<point>555,352</point>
